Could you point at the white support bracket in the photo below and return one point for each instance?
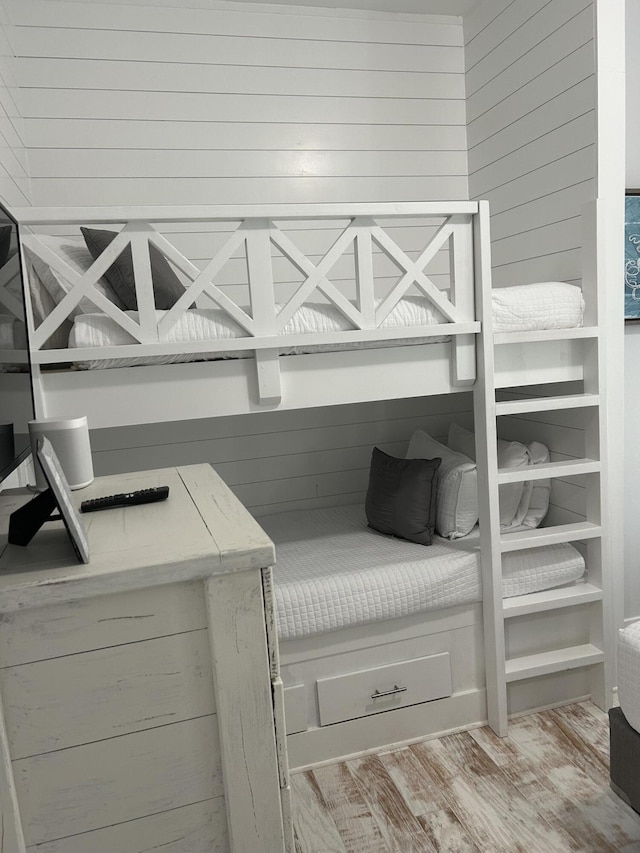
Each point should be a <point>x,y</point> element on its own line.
<point>463,359</point>
<point>268,374</point>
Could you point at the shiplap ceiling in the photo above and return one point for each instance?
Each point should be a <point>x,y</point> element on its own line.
<point>424,7</point>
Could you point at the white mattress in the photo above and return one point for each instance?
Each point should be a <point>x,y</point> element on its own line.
<point>332,571</point>
<point>629,673</point>
<point>206,324</point>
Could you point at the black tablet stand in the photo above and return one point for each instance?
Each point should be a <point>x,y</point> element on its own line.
<point>25,522</point>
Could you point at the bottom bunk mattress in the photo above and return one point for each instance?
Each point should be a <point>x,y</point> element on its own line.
<point>332,571</point>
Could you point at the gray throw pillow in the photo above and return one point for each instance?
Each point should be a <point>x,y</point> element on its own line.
<point>401,498</point>
<point>167,287</point>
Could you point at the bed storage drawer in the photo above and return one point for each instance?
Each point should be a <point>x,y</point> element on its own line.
<point>382,688</point>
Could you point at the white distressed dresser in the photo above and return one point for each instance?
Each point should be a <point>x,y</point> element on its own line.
<point>141,704</point>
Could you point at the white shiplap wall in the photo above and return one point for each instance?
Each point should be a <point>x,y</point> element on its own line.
<point>285,460</point>
<point>531,131</point>
<point>14,170</point>
<point>238,103</point>
<point>155,102</point>
<point>531,100</point>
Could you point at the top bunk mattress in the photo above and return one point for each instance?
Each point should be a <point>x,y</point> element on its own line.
<point>213,324</point>
<point>545,305</point>
<point>332,571</point>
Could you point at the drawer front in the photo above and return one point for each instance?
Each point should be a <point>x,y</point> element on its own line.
<point>383,688</point>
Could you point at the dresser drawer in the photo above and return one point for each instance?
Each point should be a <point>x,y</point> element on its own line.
<point>383,688</point>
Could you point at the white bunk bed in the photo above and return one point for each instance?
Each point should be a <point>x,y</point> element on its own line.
<point>377,260</point>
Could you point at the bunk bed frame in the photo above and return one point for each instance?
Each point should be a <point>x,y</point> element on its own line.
<point>475,359</point>
<point>117,397</point>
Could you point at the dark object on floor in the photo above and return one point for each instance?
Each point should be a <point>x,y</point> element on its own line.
<point>625,759</point>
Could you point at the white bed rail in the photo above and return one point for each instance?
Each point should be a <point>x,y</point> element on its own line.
<point>257,233</point>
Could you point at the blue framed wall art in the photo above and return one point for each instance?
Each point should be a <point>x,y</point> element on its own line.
<point>632,256</point>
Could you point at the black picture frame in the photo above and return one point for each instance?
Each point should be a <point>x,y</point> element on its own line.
<point>57,482</point>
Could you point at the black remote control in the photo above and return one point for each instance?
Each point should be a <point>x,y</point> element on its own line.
<point>143,496</point>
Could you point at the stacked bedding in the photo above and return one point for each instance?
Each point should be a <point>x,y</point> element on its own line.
<point>531,307</point>
<point>624,722</point>
<point>629,673</point>
<point>332,571</point>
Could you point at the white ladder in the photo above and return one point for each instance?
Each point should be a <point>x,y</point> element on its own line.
<point>498,366</point>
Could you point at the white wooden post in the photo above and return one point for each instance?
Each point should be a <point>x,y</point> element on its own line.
<point>143,280</point>
<point>462,286</point>
<point>488,505</point>
<point>263,309</point>
<point>602,508</point>
<point>241,669</point>
<point>364,272</point>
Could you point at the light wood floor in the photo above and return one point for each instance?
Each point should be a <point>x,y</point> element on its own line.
<point>543,788</point>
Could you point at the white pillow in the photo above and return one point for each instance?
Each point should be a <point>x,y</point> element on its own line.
<point>456,485</point>
<point>540,489</point>
<point>73,251</point>
<point>42,304</point>
<point>511,454</point>
<point>522,507</point>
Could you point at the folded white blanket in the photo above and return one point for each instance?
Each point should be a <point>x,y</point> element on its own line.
<point>531,307</point>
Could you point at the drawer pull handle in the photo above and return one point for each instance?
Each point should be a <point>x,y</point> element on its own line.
<point>377,694</point>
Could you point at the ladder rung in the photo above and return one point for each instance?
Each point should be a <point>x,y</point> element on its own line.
<point>545,335</point>
<point>551,599</point>
<point>549,536</point>
<point>566,468</point>
<point>547,404</point>
<point>557,660</point>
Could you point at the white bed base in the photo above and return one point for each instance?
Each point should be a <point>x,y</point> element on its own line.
<point>266,380</point>
<point>457,631</point>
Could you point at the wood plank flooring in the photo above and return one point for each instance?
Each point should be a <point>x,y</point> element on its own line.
<point>543,788</point>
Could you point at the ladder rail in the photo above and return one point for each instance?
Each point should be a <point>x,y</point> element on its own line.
<point>595,656</point>
<point>487,466</point>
